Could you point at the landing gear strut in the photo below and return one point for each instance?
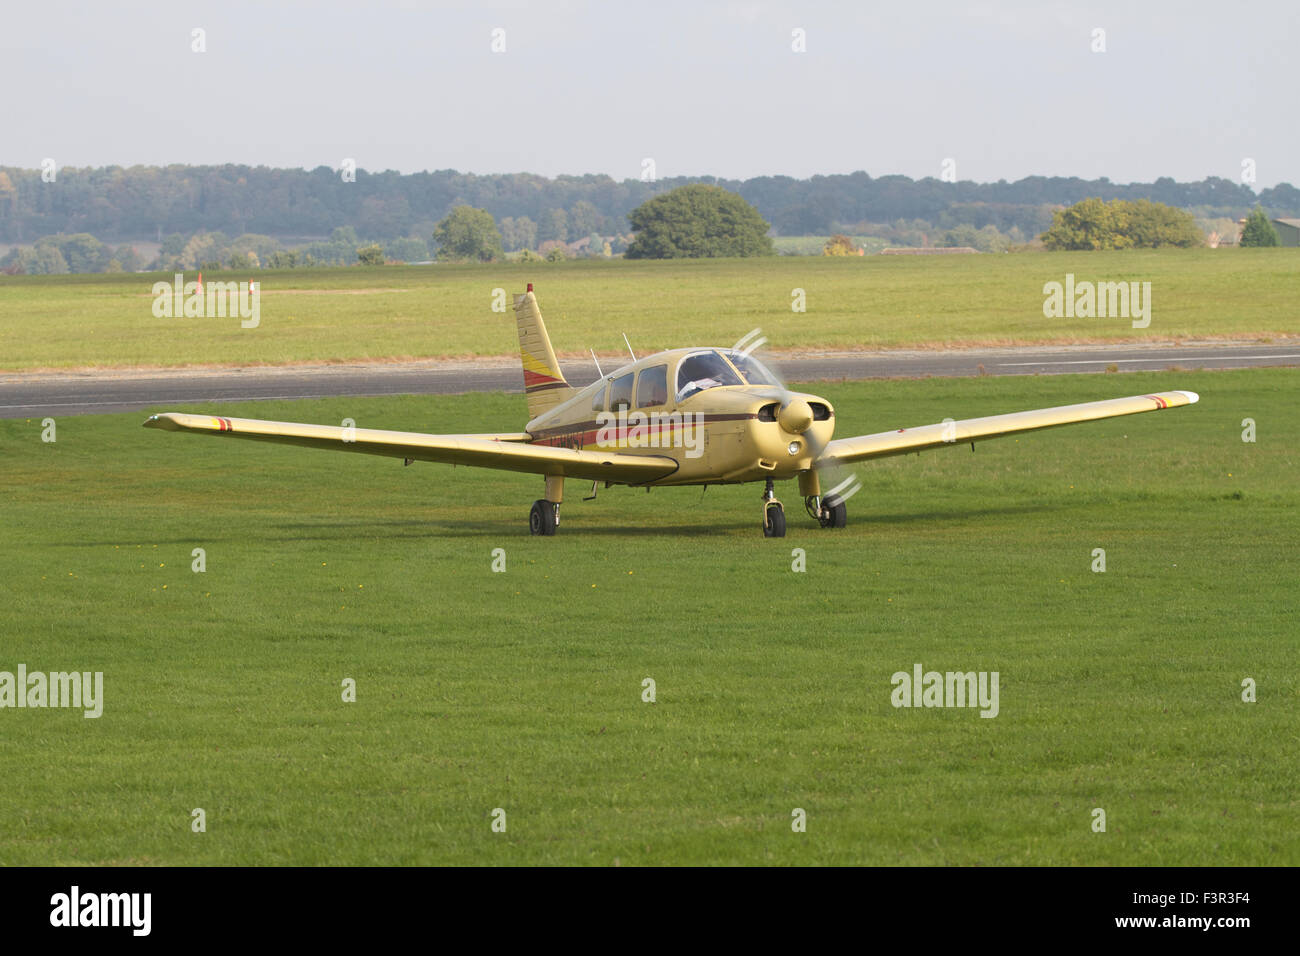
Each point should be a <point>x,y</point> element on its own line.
<point>773,513</point>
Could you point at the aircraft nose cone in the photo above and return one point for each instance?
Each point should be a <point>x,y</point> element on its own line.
<point>795,416</point>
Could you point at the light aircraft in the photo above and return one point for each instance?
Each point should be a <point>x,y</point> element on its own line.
<point>694,416</point>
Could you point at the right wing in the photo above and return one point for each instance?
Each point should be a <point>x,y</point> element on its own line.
<point>907,440</point>
<point>505,452</point>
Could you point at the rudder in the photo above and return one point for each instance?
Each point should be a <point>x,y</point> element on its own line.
<point>544,384</point>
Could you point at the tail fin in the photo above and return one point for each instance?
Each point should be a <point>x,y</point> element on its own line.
<point>544,383</point>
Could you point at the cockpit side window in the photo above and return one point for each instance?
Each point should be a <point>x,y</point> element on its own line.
<point>703,370</point>
<point>620,392</point>
<point>652,387</point>
<point>598,400</point>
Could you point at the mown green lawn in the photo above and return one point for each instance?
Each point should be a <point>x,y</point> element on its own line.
<point>434,311</point>
<point>523,690</point>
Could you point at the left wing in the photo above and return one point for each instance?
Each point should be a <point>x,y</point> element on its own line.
<point>510,452</point>
<point>907,440</point>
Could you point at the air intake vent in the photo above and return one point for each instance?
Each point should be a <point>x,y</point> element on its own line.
<point>820,412</point>
<point>768,413</point>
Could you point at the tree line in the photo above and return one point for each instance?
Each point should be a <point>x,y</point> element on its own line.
<point>692,221</point>
<point>148,202</point>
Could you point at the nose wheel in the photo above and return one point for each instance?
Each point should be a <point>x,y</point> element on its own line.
<point>773,513</point>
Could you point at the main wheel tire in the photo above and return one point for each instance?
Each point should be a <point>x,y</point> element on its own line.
<point>541,520</point>
<point>774,526</point>
<point>835,512</point>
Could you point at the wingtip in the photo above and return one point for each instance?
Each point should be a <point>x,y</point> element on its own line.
<point>1192,397</point>
<point>164,421</point>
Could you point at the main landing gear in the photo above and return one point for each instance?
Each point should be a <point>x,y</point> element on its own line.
<point>830,512</point>
<point>773,513</point>
<point>545,516</point>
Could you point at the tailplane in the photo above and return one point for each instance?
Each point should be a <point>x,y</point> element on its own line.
<point>544,383</point>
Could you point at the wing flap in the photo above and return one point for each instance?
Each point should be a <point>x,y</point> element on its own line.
<point>506,452</point>
<point>907,440</point>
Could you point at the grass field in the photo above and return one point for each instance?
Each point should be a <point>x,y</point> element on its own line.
<point>522,690</point>
<point>430,311</point>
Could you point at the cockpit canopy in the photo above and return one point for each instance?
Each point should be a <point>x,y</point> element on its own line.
<point>754,371</point>
<point>709,369</point>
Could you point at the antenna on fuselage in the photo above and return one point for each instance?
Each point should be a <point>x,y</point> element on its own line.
<point>599,373</point>
<point>629,347</point>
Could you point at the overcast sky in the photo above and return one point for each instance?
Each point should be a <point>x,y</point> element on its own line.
<point>1006,90</point>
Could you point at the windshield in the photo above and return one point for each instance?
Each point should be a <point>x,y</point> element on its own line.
<point>703,370</point>
<point>755,372</point>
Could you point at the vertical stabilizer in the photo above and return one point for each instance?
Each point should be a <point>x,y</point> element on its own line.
<point>544,383</point>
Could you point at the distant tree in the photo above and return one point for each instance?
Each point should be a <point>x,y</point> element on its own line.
<point>468,233</point>
<point>205,250</point>
<point>1258,230</point>
<point>698,221</point>
<point>527,255</point>
<point>82,251</point>
<point>408,249</point>
<point>839,245</point>
<point>34,261</point>
<point>371,255</point>
<point>806,216</point>
<point>584,219</point>
<point>1153,225</point>
<point>554,225</point>
<point>1119,224</point>
<point>47,260</point>
<point>258,247</point>
<point>520,233</point>
<point>345,235</point>
<point>128,258</point>
<point>1088,224</point>
<point>990,239</point>
<point>173,245</point>
<point>339,250</point>
<point>557,253</point>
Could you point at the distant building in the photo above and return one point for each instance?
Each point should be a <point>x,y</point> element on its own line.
<point>1288,231</point>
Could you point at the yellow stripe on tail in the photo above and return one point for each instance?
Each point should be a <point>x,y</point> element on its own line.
<point>544,383</point>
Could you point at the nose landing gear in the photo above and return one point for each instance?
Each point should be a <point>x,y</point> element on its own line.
<point>773,513</point>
